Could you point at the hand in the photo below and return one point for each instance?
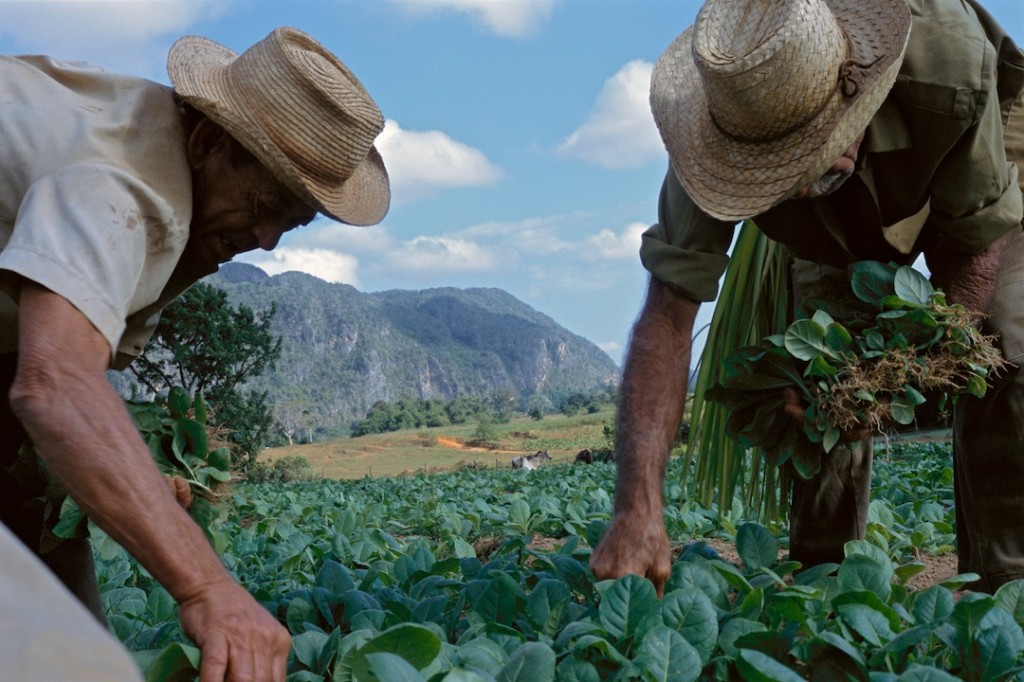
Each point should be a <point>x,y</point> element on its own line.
<point>240,640</point>
<point>795,407</point>
<point>634,544</point>
<point>181,490</point>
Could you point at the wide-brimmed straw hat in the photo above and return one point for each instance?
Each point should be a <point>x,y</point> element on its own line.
<point>301,113</point>
<point>759,97</point>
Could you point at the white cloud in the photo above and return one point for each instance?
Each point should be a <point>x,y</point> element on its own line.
<point>620,130</point>
<point>612,348</point>
<point>326,264</point>
<point>129,36</point>
<point>508,18</point>
<point>606,245</point>
<point>421,163</point>
<point>440,255</point>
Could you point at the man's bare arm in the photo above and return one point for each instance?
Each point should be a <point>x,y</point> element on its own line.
<point>969,279</point>
<point>650,410</point>
<point>83,432</point>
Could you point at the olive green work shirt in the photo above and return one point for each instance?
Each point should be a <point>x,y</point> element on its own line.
<point>935,150</point>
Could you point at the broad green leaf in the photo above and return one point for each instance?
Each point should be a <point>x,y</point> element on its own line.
<point>300,612</point>
<point>334,577</point>
<point>625,603</point>
<point>500,600</point>
<point>532,662</point>
<point>838,338</point>
<point>822,318</point>
<point>462,549</point>
<point>862,572</point>
<point>666,656</point>
<point>307,648</point>
<point>178,402</point>
<point>870,624</point>
<point>1010,597</point>
<point>871,281</point>
<point>995,652</point>
<point>393,668</point>
<point>693,616</point>
<point>546,605</point>
<point>805,339</point>
<point>175,663</point>
<point>911,285</point>
<point>755,666</point>
<point>734,629</point>
<point>416,644</point>
<point>576,670</point>
<point>922,673</point>
<point>756,546</point>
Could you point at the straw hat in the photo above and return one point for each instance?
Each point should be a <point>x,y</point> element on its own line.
<point>299,110</point>
<point>759,97</point>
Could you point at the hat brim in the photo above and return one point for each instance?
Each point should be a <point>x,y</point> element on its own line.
<point>197,67</point>
<point>732,179</point>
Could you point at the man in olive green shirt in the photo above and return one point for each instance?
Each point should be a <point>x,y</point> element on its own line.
<point>856,130</point>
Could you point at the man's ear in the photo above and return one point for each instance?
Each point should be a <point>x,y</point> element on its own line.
<point>205,137</point>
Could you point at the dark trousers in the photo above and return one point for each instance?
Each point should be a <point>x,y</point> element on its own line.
<point>23,503</point>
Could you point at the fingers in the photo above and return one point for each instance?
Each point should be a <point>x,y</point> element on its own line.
<point>213,666</point>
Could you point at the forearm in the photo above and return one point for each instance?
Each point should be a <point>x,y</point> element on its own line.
<point>969,279</point>
<point>83,433</point>
<point>89,443</point>
<point>651,398</point>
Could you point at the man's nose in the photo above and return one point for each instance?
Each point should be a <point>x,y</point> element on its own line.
<point>267,236</point>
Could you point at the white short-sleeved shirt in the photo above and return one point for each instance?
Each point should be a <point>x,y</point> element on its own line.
<point>95,194</point>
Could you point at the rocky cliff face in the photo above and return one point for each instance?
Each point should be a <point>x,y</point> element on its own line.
<point>344,350</point>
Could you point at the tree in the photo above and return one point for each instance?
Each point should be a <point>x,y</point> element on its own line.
<point>208,347</point>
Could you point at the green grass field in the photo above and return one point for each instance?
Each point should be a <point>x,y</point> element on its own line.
<point>449,447</point>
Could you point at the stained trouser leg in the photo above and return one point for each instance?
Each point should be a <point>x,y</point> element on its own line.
<point>22,506</point>
<point>831,509</point>
<point>988,447</point>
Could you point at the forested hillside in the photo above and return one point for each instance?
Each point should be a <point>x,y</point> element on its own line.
<point>344,350</point>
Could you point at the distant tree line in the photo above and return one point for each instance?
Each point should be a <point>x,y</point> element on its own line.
<point>498,407</point>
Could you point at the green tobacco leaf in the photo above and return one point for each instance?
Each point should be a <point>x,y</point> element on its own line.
<point>1010,597</point>
<point>805,339</point>
<point>733,630</point>
<point>393,668</point>
<point>863,572</point>
<point>220,458</point>
<point>575,670</point>
<point>755,666</point>
<point>532,662</point>
<point>838,338</point>
<point>625,604</point>
<point>175,663</point>
<point>546,605</point>
<point>666,656</point>
<point>178,402</point>
<point>911,285</point>
<point>922,673</point>
<point>870,624</point>
<point>334,577</point>
<point>822,318</point>
<point>756,546</point>
<point>501,600</point>
<point>872,281</point>
<point>416,644</point>
<point>692,615</point>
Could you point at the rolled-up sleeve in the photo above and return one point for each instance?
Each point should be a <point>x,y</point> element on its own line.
<point>975,193</point>
<point>687,249</point>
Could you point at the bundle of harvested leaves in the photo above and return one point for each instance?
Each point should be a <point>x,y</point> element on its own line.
<point>867,373</point>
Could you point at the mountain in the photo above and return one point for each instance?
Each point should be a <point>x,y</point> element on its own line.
<point>344,350</point>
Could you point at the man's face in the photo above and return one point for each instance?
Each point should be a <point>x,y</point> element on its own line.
<point>238,206</point>
<point>841,169</point>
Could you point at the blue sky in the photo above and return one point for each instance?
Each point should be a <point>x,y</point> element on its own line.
<point>520,145</point>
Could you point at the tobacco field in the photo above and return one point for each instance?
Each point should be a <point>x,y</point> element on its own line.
<point>481,574</point>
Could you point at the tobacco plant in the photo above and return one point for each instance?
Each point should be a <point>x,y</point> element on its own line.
<point>869,371</point>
